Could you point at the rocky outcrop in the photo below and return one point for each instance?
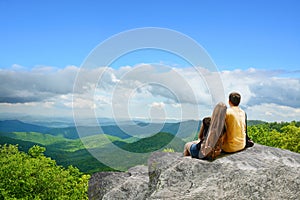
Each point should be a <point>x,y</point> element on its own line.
<point>120,185</point>
<point>259,172</point>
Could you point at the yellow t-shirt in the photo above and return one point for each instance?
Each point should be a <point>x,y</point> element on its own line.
<point>235,135</point>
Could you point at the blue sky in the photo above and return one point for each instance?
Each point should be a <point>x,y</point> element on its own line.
<point>237,34</point>
<point>255,45</point>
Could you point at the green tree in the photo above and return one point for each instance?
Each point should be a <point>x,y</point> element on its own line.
<point>292,139</point>
<point>285,135</point>
<point>34,176</point>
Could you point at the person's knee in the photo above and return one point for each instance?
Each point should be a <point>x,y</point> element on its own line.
<point>186,151</point>
<point>185,146</point>
<point>188,145</point>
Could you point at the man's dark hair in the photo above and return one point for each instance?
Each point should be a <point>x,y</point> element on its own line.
<point>235,98</point>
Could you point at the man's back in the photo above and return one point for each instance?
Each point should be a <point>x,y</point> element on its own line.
<point>235,135</point>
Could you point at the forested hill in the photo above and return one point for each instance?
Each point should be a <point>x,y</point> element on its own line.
<point>122,131</point>
<point>19,126</point>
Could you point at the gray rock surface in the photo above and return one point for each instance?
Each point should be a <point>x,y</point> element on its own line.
<point>258,172</point>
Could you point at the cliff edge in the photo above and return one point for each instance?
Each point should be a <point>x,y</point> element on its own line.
<point>259,172</point>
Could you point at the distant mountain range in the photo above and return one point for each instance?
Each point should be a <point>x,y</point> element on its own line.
<point>185,130</point>
<point>19,126</point>
<point>123,131</point>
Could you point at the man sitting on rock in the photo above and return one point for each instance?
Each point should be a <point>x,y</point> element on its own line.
<point>235,137</point>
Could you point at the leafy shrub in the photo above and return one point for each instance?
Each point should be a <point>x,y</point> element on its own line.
<point>34,176</point>
<point>170,150</point>
<point>282,135</point>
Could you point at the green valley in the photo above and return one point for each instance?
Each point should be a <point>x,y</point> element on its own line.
<point>68,149</point>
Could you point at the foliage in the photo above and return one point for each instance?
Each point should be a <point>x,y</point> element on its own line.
<point>153,143</point>
<point>168,150</point>
<point>285,135</point>
<point>65,151</point>
<point>254,122</point>
<point>44,139</point>
<point>34,176</point>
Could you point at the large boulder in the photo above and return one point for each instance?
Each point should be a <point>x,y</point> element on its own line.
<point>259,172</point>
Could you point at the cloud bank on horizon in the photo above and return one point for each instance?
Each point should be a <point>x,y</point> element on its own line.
<point>148,93</point>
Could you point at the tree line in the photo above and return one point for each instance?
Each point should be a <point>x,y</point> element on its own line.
<point>285,135</point>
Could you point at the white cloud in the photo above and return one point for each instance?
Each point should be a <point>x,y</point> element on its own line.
<point>273,112</point>
<point>259,86</point>
<point>158,105</point>
<point>178,92</point>
<point>82,103</point>
<point>20,86</point>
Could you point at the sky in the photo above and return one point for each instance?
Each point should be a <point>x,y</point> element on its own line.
<point>44,45</point>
